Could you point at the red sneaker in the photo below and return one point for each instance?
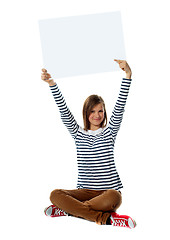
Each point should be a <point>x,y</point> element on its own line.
<point>53,211</point>
<point>122,220</point>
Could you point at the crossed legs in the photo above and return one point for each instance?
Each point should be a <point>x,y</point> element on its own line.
<point>92,205</point>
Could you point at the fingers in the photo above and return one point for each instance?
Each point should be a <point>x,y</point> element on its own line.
<point>124,66</point>
<point>45,75</point>
<point>122,63</point>
<point>118,61</point>
<point>44,70</point>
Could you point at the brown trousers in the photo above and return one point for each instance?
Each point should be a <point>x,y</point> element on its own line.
<point>92,205</point>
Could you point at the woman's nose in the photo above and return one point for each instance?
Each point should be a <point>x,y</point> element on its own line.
<point>97,115</point>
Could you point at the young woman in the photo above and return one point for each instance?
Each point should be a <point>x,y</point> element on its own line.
<point>98,194</point>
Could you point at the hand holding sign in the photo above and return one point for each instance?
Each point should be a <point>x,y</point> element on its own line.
<point>46,77</point>
<point>125,67</point>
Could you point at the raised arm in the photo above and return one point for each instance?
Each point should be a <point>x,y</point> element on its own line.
<point>66,115</point>
<point>117,114</point>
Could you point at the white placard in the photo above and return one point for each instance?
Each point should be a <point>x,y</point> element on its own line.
<point>79,45</point>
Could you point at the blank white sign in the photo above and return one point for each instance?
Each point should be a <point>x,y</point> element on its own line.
<point>79,45</point>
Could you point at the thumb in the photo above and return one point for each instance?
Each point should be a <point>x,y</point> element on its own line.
<point>118,61</point>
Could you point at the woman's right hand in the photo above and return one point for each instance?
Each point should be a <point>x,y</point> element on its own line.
<point>46,77</point>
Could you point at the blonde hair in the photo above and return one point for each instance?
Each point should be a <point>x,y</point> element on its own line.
<point>89,104</point>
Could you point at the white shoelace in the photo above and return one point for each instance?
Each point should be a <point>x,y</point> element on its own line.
<point>120,222</point>
<point>59,211</point>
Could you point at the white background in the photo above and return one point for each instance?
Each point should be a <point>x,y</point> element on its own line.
<point>37,152</point>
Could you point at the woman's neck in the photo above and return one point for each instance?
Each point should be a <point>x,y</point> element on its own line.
<point>94,128</point>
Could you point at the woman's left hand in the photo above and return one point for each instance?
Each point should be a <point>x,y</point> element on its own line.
<point>125,67</point>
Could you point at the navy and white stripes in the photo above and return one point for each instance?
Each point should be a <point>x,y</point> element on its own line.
<point>95,149</point>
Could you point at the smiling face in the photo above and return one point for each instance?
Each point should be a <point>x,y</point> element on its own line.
<point>94,113</point>
<point>96,117</point>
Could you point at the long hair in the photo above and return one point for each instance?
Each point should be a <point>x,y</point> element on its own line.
<point>89,104</point>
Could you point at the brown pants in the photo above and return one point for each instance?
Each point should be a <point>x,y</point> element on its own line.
<point>91,205</point>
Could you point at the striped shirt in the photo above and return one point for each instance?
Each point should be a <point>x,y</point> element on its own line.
<point>95,149</point>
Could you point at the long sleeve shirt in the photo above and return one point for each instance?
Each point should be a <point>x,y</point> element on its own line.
<point>95,149</point>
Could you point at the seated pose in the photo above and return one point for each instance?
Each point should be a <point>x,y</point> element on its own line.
<point>98,192</point>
